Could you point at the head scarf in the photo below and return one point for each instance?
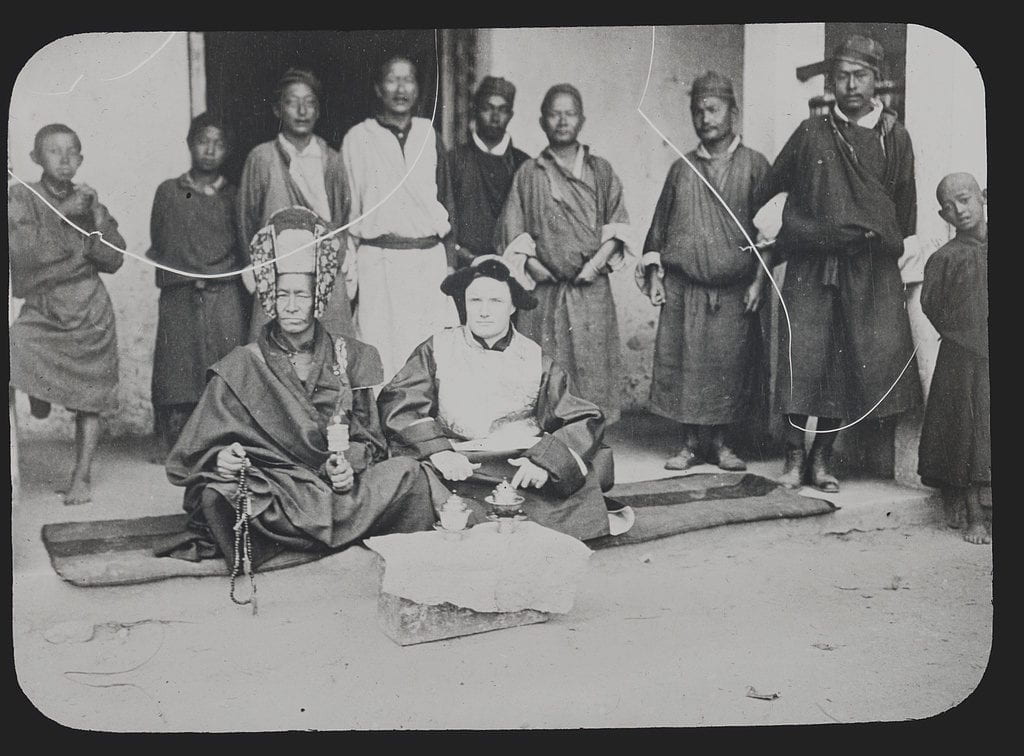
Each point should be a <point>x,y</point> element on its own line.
<point>288,229</point>
<point>495,85</point>
<point>487,266</point>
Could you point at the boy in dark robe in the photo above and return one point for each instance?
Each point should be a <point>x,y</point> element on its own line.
<point>200,320</point>
<point>696,268</point>
<point>956,445</point>
<point>63,345</point>
<point>852,204</point>
<point>280,404</point>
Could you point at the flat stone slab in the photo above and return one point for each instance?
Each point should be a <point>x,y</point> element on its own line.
<point>408,622</point>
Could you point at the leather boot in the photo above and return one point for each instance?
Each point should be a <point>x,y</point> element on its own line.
<point>793,469</point>
<point>820,476</point>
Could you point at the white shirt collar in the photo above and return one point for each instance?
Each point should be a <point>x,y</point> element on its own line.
<point>868,121</point>
<point>312,149</point>
<point>703,153</point>
<point>499,149</point>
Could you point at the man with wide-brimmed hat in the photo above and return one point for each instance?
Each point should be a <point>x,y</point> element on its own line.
<point>480,403</point>
<point>482,169</point>
<point>696,266</point>
<point>851,206</point>
<point>295,412</point>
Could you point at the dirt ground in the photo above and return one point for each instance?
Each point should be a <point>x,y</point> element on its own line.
<point>845,622</point>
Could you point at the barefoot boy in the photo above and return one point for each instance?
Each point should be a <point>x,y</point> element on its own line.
<point>63,344</point>
<point>956,449</point>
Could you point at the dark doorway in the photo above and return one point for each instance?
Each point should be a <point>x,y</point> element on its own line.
<point>243,67</point>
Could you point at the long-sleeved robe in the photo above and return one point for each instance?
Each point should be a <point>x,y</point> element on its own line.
<point>199,320</point>
<point>267,186</point>
<point>707,350</point>
<point>255,398</point>
<point>844,294</point>
<point>453,393</point>
<point>63,344</point>
<point>564,220</point>
<point>402,248</point>
<point>480,185</point>
<point>956,439</point>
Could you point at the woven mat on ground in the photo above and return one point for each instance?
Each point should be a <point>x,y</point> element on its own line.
<point>120,552</point>
<point>683,503</point>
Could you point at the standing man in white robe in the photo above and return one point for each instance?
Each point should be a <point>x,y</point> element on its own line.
<point>403,247</point>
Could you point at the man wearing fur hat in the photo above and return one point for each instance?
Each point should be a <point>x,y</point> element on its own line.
<point>481,404</point>
<point>852,204</point>
<point>271,406</point>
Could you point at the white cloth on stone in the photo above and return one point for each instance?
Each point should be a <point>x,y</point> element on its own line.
<point>486,571</point>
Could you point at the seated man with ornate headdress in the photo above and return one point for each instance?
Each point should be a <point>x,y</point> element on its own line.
<point>482,404</point>
<point>278,410</point>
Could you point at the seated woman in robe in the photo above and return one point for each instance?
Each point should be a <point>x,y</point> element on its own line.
<point>271,403</point>
<point>481,404</point>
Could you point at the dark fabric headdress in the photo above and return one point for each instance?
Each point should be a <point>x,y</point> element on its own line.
<point>861,50</point>
<point>487,266</point>
<point>713,84</point>
<point>288,229</point>
<point>495,85</point>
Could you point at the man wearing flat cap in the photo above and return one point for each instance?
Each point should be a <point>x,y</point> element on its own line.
<point>482,169</point>
<point>851,206</point>
<point>480,403</point>
<point>697,268</point>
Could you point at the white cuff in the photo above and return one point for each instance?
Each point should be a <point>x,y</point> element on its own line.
<point>640,272</point>
<point>624,233</point>
<point>350,271</point>
<point>516,254</point>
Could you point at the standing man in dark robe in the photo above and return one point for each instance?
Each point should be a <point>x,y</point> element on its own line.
<point>697,268</point>
<point>273,405</point>
<point>956,439</point>
<point>297,168</point>
<point>480,403</point>
<point>482,170</point>
<point>563,230</point>
<point>851,204</point>
<point>199,320</point>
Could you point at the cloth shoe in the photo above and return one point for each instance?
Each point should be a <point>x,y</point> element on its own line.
<point>819,474</point>
<point>727,459</point>
<point>39,407</point>
<point>683,460</point>
<point>793,469</point>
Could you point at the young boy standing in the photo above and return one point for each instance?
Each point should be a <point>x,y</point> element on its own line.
<point>956,446</point>
<point>200,320</point>
<point>63,345</point>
